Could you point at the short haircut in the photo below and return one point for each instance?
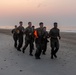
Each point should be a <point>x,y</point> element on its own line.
<point>29,22</point>
<point>33,26</point>
<point>44,27</point>
<point>40,23</point>
<point>20,22</point>
<point>15,25</point>
<point>55,23</point>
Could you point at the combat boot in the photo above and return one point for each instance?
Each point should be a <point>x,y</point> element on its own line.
<point>23,50</point>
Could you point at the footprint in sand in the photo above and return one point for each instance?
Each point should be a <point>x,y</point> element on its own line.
<point>6,66</point>
<point>1,68</point>
<point>10,52</point>
<point>18,54</point>
<point>5,60</point>
<point>21,70</point>
<point>16,63</point>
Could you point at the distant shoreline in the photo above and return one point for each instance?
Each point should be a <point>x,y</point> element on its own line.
<point>6,31</point>
<point>68,35</point>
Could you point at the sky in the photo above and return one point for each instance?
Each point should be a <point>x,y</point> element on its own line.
<point>47,11</point>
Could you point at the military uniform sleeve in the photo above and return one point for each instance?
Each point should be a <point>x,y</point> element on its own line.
<point>49,33</point>
<point>12,31</point>
<point>59,34</point>
<point>25,30</point>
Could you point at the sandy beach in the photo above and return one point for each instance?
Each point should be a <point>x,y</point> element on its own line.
<point>13,62</point>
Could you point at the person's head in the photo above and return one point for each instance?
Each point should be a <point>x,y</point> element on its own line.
<point>33,27</point>
<point>15,26</point>
<point>21,23</point>
<point>29,24</point>
<point>41,24</point>
<point>44,28</point>
<point>55,24</point>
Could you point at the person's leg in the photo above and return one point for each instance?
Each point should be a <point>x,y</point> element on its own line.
<point>19,40</point>
<point>44,49</point>
<point>40,49</point>
<point>37,53</point>
<point>20,43</point>
<point>56,48</point>
<point>25,46</point>
<point>15,41</point>
<point>33,43</point>
<point>15,44</point>
<point>52,52</point>
<point>31,47</point>
<point>52,48</point>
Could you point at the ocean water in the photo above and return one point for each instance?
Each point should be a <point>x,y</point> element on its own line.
<point>68,29</point>
<point>62,28</point>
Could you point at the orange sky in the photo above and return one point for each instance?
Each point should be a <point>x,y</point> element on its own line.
<point>48,11</point>
<point>12,7</point>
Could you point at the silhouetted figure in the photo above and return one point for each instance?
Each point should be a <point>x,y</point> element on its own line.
<point>15,36</point>
<point>33,28</point>
<point>20,35</point>
<point>39,34</point>
<point>55,35</point>
<point>28,38</point>
<point>45,41</point>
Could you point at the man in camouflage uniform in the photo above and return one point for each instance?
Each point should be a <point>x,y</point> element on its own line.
<point>20,35</point>
<point>33,29</point>
<point>15,36</point>
<point>39,40</point>
<point>45,41</point>
<point>55,35</point>
<point>28,38</point>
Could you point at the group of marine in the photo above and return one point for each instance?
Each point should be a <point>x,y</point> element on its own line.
<point>38,36</point>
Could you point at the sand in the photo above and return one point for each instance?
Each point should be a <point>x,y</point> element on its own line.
<point>13,62</point>
<point>6,31</point>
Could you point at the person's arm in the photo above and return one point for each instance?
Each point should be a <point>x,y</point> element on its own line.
<point>12,31</point>
<point>25,30</point>
<point>49,34</point>
<point>59,35</point>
